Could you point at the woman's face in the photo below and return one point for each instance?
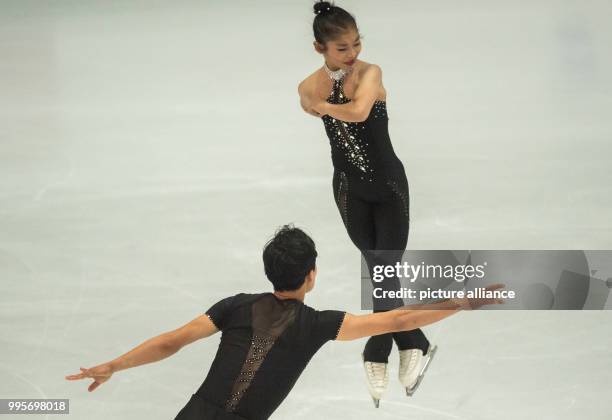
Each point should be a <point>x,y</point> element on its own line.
<point>342,52</point>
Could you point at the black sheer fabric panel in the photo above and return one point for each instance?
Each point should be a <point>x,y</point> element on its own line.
<point>266,342</point>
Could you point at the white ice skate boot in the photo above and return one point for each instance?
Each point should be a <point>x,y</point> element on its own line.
<point>413,365</point>
<point>377,377</point>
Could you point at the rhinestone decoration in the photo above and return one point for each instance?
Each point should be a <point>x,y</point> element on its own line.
<point>342,197</point>
<point>403,196</point>
<point>260,346</point>
<point>350,137</point>
<point>340,326</point>
<point>337,74</point>
<point>213,321</point>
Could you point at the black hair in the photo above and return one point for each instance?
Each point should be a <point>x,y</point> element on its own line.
<point>331,21</point>
<point>288,258</point>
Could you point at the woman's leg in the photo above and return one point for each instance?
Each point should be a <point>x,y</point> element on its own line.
<point>392,222</point>
<point>357,216</point>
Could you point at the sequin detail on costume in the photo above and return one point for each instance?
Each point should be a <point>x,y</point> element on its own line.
<point>269,320</point>
<point>339,326</point>
<point>402,195</point>
<point>260,346</point>
<point>341,196</point>
<point>350,137</point>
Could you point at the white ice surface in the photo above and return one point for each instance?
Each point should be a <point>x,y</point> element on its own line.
<point>148,149</point>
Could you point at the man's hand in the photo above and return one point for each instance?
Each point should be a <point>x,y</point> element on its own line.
<point>100,374</point>
<point>475,303</point>
<point>152,350</point>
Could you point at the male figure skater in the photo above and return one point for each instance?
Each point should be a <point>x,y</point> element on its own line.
<point>268,338</point>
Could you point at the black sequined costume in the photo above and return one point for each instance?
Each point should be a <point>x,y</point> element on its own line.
<point>371,192</point>
<point>266,343</point>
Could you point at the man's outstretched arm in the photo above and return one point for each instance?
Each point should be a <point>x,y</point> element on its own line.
<point>358,326</point>
<point>152,350</point>
<point>407,318</point>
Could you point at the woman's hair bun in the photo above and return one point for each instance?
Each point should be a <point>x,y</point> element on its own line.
<point>322,7</point>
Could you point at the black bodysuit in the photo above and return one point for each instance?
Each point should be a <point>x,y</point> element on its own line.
<point>266,343</point>
<point>371,192</point>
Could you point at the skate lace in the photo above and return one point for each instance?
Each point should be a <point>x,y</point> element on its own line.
<point>406,363</point>
<point>377,371</point>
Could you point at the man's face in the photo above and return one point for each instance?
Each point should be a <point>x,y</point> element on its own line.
<point>310,280</point>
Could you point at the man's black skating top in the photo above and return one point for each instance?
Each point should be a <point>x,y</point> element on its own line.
<point>266,343</point>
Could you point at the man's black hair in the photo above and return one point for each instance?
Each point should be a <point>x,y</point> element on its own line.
<point>288,257</point>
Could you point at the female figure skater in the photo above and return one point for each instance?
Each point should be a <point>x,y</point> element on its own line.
<point>369,183</point>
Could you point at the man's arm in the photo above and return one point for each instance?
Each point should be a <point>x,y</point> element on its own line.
<point>408,317</point>
<point>358,326</point>
<point>152,350</point>
<point>166,344</point>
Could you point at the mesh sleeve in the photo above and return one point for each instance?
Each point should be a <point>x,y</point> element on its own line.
<point>219,311</point>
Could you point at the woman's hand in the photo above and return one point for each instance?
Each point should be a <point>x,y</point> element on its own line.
<point>319,106</point>
<point>313,107</point>
<point>99,374</point>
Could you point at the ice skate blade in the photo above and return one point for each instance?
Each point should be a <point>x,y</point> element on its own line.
<point>430,355</point>
<point>376,402</point>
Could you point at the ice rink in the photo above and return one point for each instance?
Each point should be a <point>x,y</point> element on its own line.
<point>149,149</point>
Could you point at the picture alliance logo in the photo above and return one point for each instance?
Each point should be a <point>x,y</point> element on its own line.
<point>412,272</point>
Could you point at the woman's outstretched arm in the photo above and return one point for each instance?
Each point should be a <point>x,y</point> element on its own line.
<point>152,350</point>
